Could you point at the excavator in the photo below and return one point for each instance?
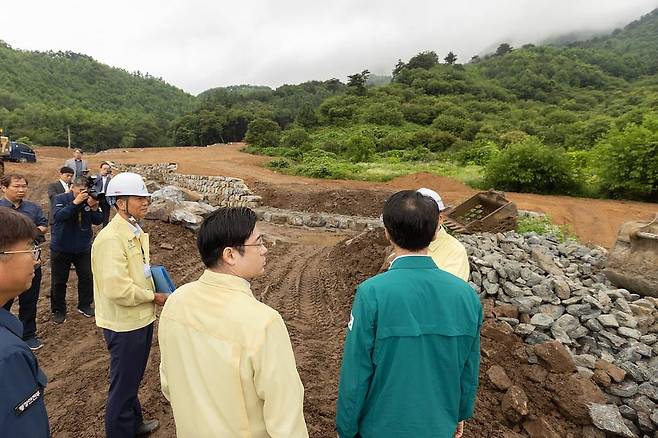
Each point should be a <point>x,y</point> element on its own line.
<point>633,262</point>
<point>4,152</point>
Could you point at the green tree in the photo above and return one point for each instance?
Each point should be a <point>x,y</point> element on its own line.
<point>383,114</point>
<point>626,160</point>
<point>263,133</point>
<point>360,148</point>
<point>398,68</point>
<point>307,117</point>
<point>530,166</point>
<point>503,49</point>
<point>450,58</point>
<point>295,138</point>
<point>357,82</point>
<point>424,60</point>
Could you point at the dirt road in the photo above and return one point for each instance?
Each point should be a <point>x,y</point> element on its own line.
<point>310,280</point>
<point>595,221</point>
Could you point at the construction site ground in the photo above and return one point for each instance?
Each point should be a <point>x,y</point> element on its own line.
<point>310,279</point>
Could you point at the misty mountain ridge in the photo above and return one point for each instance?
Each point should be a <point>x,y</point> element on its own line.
<point>43,92</point>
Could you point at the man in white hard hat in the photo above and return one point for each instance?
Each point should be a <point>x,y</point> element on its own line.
<point>125,299</point>
<point>447,252</point>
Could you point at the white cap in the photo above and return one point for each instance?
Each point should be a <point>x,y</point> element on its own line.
<point>435,197</point>
<point>127,184</point>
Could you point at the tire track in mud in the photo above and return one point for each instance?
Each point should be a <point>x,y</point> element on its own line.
<point>300,285</point>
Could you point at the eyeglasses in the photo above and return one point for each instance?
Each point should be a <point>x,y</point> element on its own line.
<point>36,252</point>
<point>260,242</point>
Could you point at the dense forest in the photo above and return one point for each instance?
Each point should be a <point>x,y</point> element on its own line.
<point>43,95</point>
<point>577,118</point>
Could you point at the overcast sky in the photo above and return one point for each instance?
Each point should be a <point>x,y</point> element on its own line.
<point>197,44</point>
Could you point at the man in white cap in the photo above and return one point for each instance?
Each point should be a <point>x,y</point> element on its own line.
<point>447,252</point>
<point>125,299</point>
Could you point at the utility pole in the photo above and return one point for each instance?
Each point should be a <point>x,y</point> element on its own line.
<point>68,131</point>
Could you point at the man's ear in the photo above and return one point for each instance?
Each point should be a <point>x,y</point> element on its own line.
<point>228,256</point>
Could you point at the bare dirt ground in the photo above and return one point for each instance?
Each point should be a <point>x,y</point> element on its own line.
<point>595,221</point>
<point>310,280</point>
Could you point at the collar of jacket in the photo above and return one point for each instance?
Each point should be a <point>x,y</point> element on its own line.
<point>124,229</point>
<point>226,281</point>
<point>11,323</point>
<point>413,262</point>
<point>441,235</point>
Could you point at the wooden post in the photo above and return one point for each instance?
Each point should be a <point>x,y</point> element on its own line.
<point>68,131</point>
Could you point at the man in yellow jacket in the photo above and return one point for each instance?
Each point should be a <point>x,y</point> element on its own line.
<point>227,365</point>
<point>125,300</point>
<point>447,252</point>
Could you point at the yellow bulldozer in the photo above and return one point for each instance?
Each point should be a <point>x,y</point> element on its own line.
<point>633,262</point>
<point>4,152</point>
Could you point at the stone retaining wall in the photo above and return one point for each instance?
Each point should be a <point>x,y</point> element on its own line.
<point>316,220</point>
<point>222,191</point>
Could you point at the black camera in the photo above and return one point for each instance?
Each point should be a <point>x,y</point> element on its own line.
<point>91,188</point>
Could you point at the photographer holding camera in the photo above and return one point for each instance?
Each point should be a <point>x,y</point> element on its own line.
<point>71,235</point>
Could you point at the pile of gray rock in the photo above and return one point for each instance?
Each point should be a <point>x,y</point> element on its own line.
<point>544,290</point>
<point>224,191</point>
<point>179,206</point>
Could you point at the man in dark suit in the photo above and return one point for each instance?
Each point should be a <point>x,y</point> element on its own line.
<point>62,185</point>
<point>79,166</point>
<point>102,180</point>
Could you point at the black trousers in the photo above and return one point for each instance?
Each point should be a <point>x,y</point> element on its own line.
<point>129,353</point>
<point>60,266</point>
<point>105,210</point>
<point>27,306</point>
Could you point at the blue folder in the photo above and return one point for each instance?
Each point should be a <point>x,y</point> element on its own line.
<point>162,280</point>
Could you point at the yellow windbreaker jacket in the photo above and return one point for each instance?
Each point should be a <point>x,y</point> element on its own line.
<point>449,254</point>
<point>123,295</point>
<point>227,365</point>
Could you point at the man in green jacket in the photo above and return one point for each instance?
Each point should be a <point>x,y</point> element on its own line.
<point>412,350</point>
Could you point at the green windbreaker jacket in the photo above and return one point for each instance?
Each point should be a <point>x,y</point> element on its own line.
<point>412,354</point>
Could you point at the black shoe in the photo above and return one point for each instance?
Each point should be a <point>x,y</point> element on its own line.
<point>87,311</point>
<point>59,317</point>
<point>147,427</point>
<point>34,343</point>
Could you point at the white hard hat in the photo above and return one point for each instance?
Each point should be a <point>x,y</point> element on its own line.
<point>434,196</point>
<point>127,184</point>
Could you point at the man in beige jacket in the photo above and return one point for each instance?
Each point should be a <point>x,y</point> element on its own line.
<point>125,300</point>
<point>227,365</point>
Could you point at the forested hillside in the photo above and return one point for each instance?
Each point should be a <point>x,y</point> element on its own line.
<point>41,94</point>
<point>578,119</point>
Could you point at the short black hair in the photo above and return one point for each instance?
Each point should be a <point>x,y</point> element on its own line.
<point>15,228</point>
<point>79,182</point>
<point>223,228</point>
<point>6,180</point>
<point>103,164</point>
<point>411,219</point>
<point>66,169</point>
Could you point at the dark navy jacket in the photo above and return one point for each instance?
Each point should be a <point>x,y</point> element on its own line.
<point>22,384</point>
<point>71,232</point>
<point>31,210</point>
